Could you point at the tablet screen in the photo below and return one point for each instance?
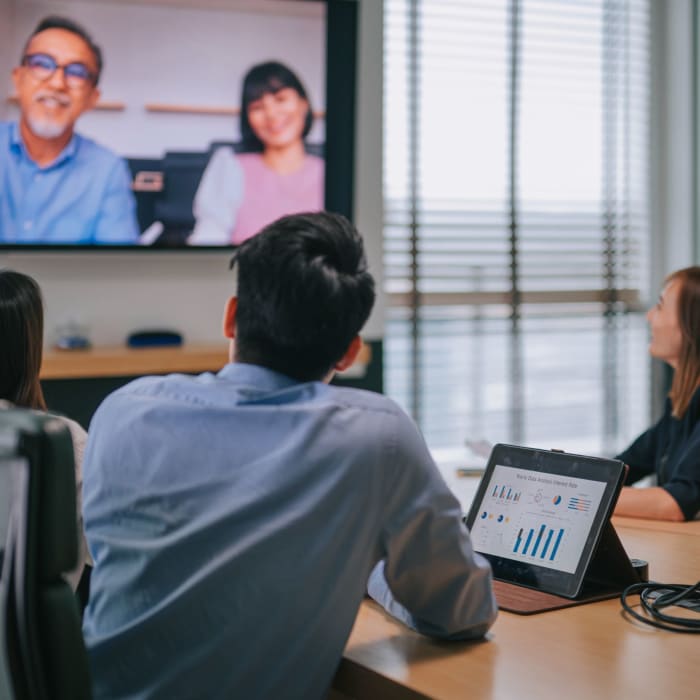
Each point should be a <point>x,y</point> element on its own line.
<point>539,518</point>
<point>538,515</point>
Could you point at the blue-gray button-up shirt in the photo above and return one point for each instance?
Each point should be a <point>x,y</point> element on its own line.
<point>234,520</point>
<point>83,197</point>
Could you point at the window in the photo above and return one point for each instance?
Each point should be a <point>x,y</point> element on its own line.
<point>517,221</point>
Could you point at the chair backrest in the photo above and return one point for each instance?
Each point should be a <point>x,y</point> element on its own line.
<point>182,172</point>
<point>5,500</point>
<point>42,642</point>
<point>145,197</point>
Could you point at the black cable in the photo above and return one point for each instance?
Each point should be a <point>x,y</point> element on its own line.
<point>654,597</point>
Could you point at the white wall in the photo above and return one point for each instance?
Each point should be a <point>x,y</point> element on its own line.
<point>673,132</point>
<point>7,20</point>
<point>115,293</point>
<point>368,160</point>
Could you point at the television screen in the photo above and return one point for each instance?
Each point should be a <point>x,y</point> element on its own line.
<point>224,116</point>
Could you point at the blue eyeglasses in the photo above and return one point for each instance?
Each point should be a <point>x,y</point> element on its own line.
<point>42,67</point>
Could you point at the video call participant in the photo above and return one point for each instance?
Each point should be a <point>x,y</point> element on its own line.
<point>234,518</point>
<point>274,175</point>
<point>671,448</point>
<point>55,185</point>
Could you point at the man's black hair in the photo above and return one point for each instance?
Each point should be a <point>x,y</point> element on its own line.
<point>304,293</point>
<point>56,22</point>
<point>265,79</point>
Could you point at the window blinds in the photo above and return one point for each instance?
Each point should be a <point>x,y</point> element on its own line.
<point>516,218</point>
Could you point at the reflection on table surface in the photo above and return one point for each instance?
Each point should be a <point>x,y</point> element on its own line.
<point>589,651</point>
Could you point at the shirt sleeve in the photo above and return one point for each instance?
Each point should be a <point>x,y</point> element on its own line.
<point>116,222</point>
<point>217,200</point>
<point>640,456</point>
<point>684,484</point>
<point>430,578</point>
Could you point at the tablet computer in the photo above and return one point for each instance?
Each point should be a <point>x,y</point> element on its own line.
<point>538,515</point>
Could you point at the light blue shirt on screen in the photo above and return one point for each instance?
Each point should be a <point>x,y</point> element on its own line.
<point>83,197</point>
<point>234,520</point>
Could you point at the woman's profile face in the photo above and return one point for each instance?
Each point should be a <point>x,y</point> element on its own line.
<point>666,336</point>
<point>278,118</point>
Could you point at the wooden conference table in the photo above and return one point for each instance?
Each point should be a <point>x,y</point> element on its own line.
<point>588,651</point>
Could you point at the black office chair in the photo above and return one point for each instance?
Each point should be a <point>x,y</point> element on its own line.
<point>147,184</point>
<point>182,172</point>
<point>42,648</point>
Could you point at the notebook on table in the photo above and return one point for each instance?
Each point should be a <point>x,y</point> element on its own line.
<point>542,519</point>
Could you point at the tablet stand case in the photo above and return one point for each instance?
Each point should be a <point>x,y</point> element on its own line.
<point>608,573</point>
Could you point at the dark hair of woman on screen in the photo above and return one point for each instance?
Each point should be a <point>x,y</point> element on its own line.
<point>669,451</point>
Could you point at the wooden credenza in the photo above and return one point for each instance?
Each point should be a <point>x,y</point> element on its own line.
<point>121,361</point>
<point>76,381</point>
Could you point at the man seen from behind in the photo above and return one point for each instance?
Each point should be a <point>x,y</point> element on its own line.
<point>235,518</point>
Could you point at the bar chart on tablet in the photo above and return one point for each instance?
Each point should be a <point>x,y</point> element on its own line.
<point>545,543</point>
<point>536,518</point>
<point>505,492</point>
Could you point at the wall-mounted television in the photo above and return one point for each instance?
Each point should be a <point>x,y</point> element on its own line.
<point>227,115</point>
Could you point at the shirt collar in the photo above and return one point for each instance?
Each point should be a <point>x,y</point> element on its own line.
<point>15,138</point>
<point>68,152</point>
<point>261,378</point>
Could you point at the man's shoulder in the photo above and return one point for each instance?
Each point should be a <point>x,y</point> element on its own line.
<point>369,402</point>
<point>96,153</point>
<point>209,392</point>
<point>154,385</point>
<point>5,134</point>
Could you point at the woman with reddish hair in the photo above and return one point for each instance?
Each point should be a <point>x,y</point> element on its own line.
<point>670,450</point>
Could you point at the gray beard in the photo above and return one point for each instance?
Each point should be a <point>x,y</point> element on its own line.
<point>46,129</point>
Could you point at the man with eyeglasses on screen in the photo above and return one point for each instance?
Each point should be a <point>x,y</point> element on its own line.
<point>57,187</point>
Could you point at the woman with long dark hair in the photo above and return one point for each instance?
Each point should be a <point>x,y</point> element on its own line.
<point>272,175</point>
<point>21,341</point>
<point>670,450</point>
<point>21,331</point>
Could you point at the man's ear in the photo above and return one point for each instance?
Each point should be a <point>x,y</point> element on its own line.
<point>350,354</point>
<point>16,78</point>
<point>230,318</point>
<point>93,99</point>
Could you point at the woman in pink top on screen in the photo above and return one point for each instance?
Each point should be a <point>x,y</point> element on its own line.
<point>273,175</point>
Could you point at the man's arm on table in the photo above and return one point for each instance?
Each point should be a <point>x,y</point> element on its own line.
<point>430,578</point>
